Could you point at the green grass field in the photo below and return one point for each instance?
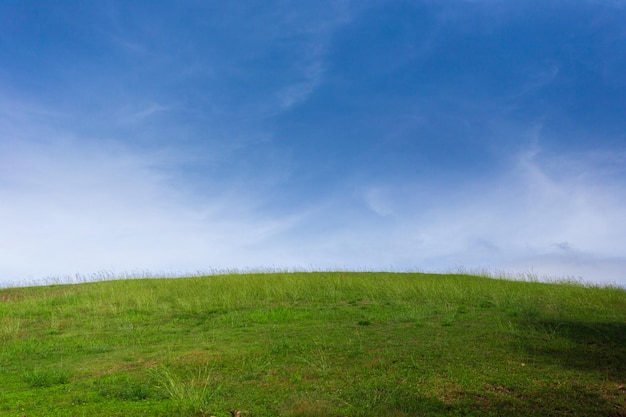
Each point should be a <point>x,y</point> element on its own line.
<point>313,344</point>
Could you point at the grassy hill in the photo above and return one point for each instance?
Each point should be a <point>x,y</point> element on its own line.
<point>313,344</point>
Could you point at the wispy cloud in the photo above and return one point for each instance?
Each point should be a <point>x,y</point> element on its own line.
<point>548,213</point>
<point>312,38</point>
<point>70,205</point>
<point>299,91</point>
<point>70,209</point>
<point>143,112</point>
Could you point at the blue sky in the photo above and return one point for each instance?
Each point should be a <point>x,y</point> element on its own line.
<point>184,136</point>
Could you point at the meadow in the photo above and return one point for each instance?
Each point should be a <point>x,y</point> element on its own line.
<point>313,344</point>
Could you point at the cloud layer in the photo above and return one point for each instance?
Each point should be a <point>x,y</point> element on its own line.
<point>70,208</point>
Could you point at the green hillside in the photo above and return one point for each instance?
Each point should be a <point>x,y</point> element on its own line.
<point>313,344</point>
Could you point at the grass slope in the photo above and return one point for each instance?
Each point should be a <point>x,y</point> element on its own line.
<point>313,344</point>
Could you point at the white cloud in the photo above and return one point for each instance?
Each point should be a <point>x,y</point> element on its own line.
<point>558,217</point>
<point>377,201</point>
<point>309,65</point>
<point>74,205</point>
<point>299,91</point>
<point>140,114</point>
<point>67,207</point>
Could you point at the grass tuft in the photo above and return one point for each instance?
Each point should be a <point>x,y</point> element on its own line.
<point>190,392</point>
<point>44,378</point>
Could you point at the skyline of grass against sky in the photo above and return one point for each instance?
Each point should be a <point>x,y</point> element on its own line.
<point>429,135</point>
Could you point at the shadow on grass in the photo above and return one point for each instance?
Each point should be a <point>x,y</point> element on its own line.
<point>562,401</point>
<point>587,346</point>
<point>597,348</point>
<point>556,401</point>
